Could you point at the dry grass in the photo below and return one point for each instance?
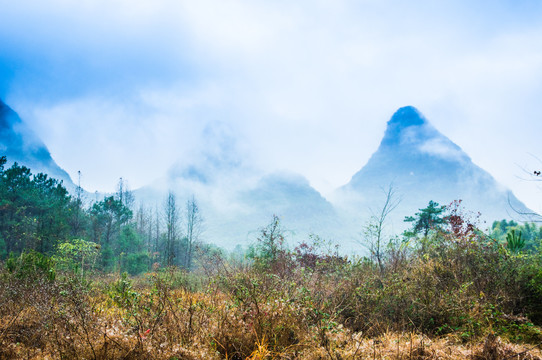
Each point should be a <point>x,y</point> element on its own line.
<point>71,321</point>
<point>460,300</point>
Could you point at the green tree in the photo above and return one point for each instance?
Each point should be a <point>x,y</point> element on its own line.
<point>270,245</point>
<point>531,233</point>
<point>514,241</point>
<point>34,210</point>
<point>107,218</point>
<point>427,219</point>
<point>132,255</point>
<point>77,255</point>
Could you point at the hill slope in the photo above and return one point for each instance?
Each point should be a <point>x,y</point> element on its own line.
<point>19,144</point>
<point>421,164</point>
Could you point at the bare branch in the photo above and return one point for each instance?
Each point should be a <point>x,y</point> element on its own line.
<point>373,232</point>
<point>528,216</point>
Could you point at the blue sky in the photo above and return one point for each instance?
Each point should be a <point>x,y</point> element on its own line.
<point>127,88</point>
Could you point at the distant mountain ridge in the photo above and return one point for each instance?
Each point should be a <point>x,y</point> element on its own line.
<point>419,162</point>
<point>20,144</point>
<point>238,203</point>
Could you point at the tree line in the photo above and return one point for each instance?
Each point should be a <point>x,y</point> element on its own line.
<point>38,213</point>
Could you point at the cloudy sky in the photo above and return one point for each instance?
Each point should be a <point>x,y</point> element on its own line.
<point>127,88</point>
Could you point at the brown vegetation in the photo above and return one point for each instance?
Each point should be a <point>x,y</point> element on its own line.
<point>463,297</point>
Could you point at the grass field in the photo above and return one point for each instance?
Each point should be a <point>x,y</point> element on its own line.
<point>455,300</point>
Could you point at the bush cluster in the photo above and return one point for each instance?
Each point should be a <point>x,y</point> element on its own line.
<point>307,303</point>
<point>444,280</point>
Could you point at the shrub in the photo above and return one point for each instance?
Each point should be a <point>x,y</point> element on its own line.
<point>78,256</point>
<point>31,265</point>
<point>135,264</point>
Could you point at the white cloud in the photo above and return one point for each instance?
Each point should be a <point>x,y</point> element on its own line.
<point>443,149</point>
<point>307,85</point>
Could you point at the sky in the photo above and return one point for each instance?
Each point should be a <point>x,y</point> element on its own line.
<point>119,88</point>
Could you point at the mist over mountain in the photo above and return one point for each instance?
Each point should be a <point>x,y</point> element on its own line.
<point>303,209</point>
<point>236,200</point>
<point>20,144</point>
<point>421,164</point>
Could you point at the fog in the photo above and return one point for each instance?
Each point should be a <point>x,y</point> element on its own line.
<point>132,89</point>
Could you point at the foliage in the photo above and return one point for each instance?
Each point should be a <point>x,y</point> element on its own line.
<point>31,266</point>
<point>270,246</point>
<point>316,304</point>
<point>77,255</point>
<point>427,219</point>
<point>531,233</point>
<point>135,263</point>
<point>460,294</point>
<point>514,242</point>
<point>34,210</point>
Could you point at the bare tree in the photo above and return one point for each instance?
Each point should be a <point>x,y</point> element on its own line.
<point>156,248</point>
<point>194,228</point>
<point>524,215</point>
<point>77,222</point>
<point>144,226</point>
<point>374,231</point>
<point>172,223</point>
<point>124,194</point>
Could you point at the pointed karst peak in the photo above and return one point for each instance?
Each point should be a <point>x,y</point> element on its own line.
<point>3,105</point>
<point>405,117</point>
<point>5,111</point>
<point>407,122</point>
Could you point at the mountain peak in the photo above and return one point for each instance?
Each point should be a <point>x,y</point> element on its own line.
<point>4,111</point>
<point>423,164</point>
<point>408,126</point>
<point>407,116</point>
<point>20,144</point>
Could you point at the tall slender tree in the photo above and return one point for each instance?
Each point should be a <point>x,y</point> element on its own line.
<point>172,223</point>
<point>194,228</point>
<point>108,217</point>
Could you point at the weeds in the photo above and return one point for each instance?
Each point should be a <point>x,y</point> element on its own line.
<point>460,297</point>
